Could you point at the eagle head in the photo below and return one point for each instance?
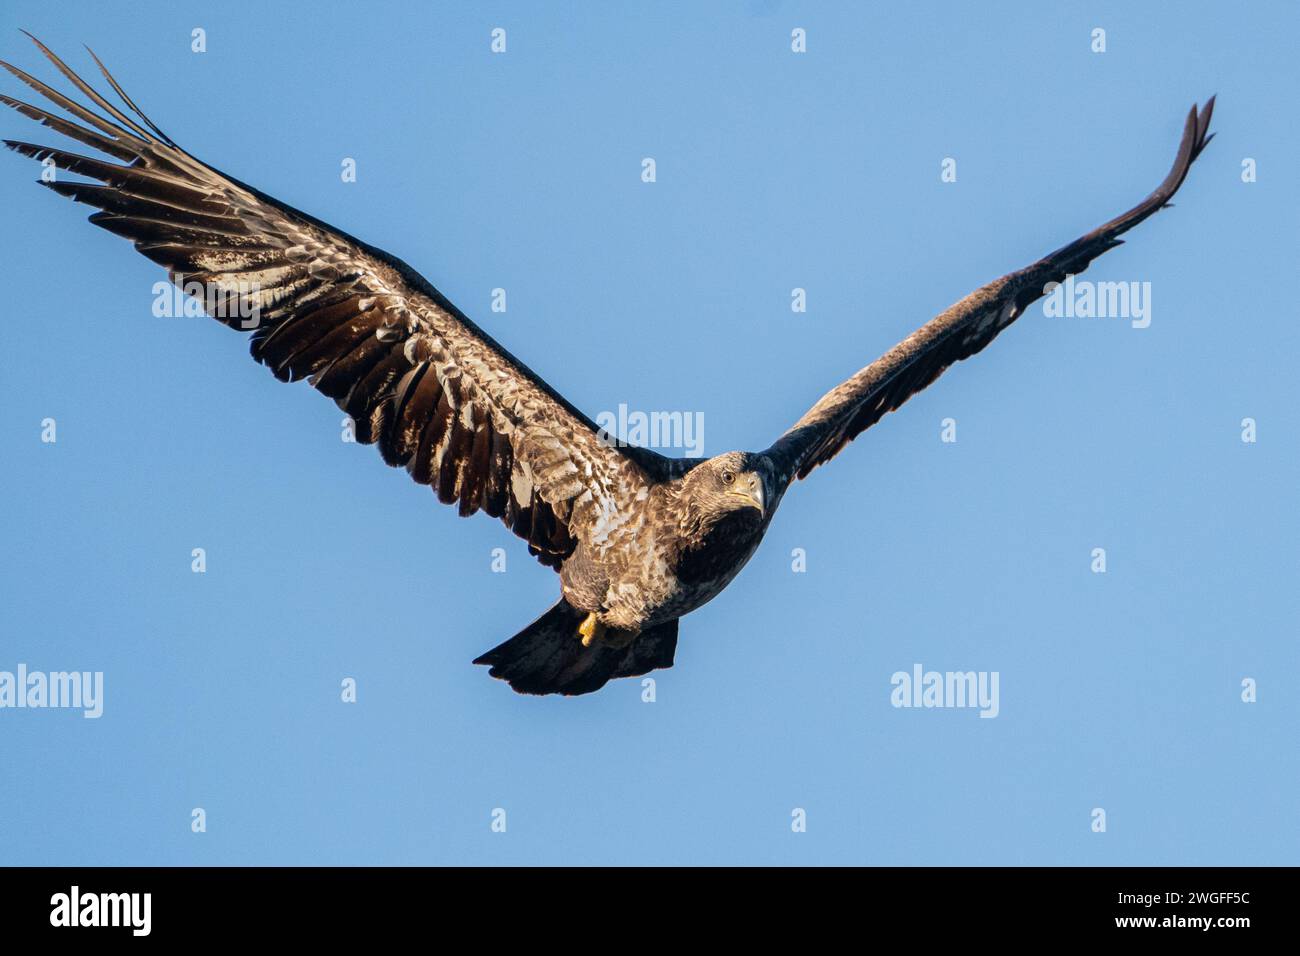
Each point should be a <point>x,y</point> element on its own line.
<point>732,482</point>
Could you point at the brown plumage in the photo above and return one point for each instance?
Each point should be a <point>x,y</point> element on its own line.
<point>638,539</point>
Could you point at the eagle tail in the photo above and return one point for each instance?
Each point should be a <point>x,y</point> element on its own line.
<point>548,656</point>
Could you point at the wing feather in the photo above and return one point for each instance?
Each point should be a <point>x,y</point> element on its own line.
<point>964,329</point>
<point>418,378</point>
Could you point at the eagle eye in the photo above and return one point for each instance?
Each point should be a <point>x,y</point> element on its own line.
<point>728,478</point>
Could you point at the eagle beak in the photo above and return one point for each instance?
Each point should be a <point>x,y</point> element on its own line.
<point>749,488</point>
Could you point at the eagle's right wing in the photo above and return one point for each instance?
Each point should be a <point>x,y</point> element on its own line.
<point>963,329</point>
<point>418,378</point>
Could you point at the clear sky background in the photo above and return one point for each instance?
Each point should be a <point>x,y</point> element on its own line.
<point>775,170</point>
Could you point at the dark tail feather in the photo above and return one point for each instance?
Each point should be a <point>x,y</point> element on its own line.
<point>547,657</point>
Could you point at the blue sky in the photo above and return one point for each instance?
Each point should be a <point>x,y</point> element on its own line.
<point>775,170</point>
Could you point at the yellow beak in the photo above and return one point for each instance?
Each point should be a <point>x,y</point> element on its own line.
<point>749,488</point>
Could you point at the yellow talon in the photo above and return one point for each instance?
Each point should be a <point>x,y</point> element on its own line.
<point>591,630</point>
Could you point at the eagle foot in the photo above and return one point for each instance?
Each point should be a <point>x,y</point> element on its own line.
<point>591,630</point>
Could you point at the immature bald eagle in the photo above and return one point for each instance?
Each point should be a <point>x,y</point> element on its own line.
<point>638,539</point>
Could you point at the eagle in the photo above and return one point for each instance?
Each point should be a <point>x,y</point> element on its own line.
<point>638,539</point>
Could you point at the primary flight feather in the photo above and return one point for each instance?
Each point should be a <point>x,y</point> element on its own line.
<point>638,539</point>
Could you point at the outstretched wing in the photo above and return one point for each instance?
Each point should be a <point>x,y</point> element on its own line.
<point>418,378</point>
<point>963,329</point>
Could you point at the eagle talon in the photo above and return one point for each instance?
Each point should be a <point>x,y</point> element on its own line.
<point>591,630</point>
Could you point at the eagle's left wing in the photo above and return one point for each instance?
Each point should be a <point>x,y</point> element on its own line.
<point>963,329</point>
<point>420,380</point>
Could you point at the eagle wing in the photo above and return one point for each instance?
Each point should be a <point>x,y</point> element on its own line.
<point>418,378</point>
<point>963,329</point>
